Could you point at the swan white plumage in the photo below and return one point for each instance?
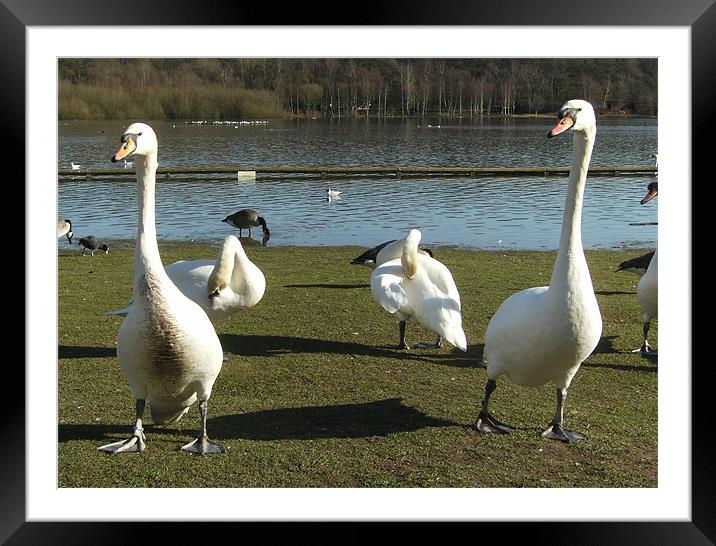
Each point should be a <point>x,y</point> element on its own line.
<point>167,347</point>
<point>221,287</point>
<point>416,287</point>
<point>332,193</point>
<point>647,291</point>
<point>64,227</point>
<point>542,335</point>
<point>75,166</point>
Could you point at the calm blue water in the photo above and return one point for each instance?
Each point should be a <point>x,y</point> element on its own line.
<point>487,213</point>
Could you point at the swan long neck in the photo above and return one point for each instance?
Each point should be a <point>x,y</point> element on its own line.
<point>570,258</point>
<point>222,273</point>
<point>147,251</point>
<point>409,257</point>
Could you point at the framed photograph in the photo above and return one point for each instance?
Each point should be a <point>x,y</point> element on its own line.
<point>51,491</point>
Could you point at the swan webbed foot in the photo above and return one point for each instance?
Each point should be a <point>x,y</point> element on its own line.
<point>135,444</point>
<point>399,347</point>
<point>487,424</point>
<point>556,432</point>
<point>203,446</point>
<point>435,345</point>
<point>645,350</point>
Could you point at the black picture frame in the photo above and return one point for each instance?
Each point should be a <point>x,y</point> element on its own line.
<point>699,15</point>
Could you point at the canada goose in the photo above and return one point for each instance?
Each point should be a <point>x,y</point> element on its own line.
<point>64,227</point>
<point>384,252</point>
<point>636,265</point>
<point>91,243</point>
<point>246,219</point>
<point>419,288</point>
<point>167,346</point>
<point>542,335</point>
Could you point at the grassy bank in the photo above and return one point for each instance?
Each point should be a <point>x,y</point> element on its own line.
<point>309,396</point>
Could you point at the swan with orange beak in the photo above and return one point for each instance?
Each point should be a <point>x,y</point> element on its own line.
<point>167,347</point>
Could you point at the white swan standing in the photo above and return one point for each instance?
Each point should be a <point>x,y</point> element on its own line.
<point>222,287</point>
<point>543,334</point>
<point>167,347</point>
<point>64,227</point>
<point>419,288</point>
<point>647,291</point>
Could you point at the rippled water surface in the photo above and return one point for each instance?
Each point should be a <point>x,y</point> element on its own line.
<point>519,213</point>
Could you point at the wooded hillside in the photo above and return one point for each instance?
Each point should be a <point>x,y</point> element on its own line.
<point>264,88</point>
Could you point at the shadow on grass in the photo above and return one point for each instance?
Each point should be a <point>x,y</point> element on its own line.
<point>605,346</point>
<point>378,418</point>
<point>66,351</point>
<point>613,293</point>
<point>621,367</point>
<point>327,286</point>
<point>252,345</point>
<point>108,433</point>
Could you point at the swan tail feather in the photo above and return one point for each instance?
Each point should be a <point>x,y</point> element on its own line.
<point>166,415</point>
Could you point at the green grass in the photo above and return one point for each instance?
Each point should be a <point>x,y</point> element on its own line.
<point>311,398</point>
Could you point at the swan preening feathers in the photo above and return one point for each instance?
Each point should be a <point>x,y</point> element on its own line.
<point>221,287</point>
<point>230,283</point>
<point>167,347</point>
<point>416,287</point>
<point>542,335</point>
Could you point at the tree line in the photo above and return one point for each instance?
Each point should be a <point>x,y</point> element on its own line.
<point>228,88</point>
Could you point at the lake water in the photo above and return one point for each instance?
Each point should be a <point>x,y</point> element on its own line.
<point>483,213</point>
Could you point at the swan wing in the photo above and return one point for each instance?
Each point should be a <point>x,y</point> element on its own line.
<point>386,286</point>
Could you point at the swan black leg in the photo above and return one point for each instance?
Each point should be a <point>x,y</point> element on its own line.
<point>556,431</point>
<point>202,444</point>
<point>646,349</point>
<point>485,422</point>
<point>401,344</point>
<point>136,442</point>
<point>436,345</point>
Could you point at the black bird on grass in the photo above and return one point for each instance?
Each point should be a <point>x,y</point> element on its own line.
<point>91,243</point>
<point>637,265</point>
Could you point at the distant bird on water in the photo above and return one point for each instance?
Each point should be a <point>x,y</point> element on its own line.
<point>247,219</point>
<point>75,166</point>
<point>64,227</point>
<point>91,243</point>
<point>332,193</point>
